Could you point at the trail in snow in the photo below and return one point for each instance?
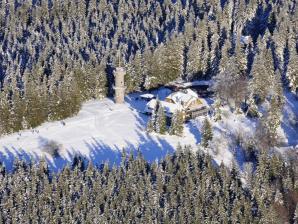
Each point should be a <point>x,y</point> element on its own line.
<point>103,129</point>
<point>99,132</point>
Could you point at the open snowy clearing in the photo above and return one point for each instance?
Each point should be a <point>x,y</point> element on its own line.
<point>102,129</point>
<point>100,132</point>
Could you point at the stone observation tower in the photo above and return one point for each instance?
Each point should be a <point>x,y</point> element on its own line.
<point>119,85</point>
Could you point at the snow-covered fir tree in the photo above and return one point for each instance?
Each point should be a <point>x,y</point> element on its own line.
<point>217,110</point>
<point>292,71</point>
<point>267,133</point>
<point>83,192</point>
<point>252,110</point>
<point>187,39</point>
<point>177,124</point>
<point>151,125</point>
<point>207,133</point>
<point>194,67</point>
<point>261,80</point>
<point>161,122</point>
<point>157,122</point>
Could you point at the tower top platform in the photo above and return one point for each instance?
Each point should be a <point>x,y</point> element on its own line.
<point>119,70</point>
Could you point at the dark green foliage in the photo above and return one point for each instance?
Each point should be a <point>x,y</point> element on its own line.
<point>165,64</point>
<point>47,100</point>
<point>157,122</point>
<point>292,73</point>
<point>177,124</point>
<point>267,130</point>
<point>161,122</point>
<point>207,133</point>
<point>58,53</point>
<point>182,188</point>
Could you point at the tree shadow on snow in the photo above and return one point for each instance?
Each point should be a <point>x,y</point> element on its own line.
<point>9,156</point>
<point>151,149</point>
<point>194,129</point>
<point>290,119</point>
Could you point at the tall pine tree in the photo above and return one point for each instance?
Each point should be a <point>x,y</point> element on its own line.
<point>177,124</point>
<point>207,134</point>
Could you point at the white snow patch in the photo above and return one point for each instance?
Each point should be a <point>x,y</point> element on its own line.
<point>224,147</point>
<point>103,129</point>
<point>290,119</point>
<point>99,132</point>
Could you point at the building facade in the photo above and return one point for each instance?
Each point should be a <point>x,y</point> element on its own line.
<point>119,85</point>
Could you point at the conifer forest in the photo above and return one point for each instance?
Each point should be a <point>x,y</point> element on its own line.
<point>58,58</point>
<point>182,188</point>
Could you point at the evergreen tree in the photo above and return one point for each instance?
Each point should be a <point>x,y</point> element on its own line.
<point>292,72</point>
<point>194,67</point>
<point>135,74</point>
<point>177,124</point>
<point>4,113</point>
<point>252,108</point>
<point>263,74</point>
<point>151,124</point>
<point>225,55</point>
<point>207,133</point>
<point>161,122</point>
<point>157,122</point>
<point>217,110</point>
<point>241,57</point>
<point>272,120</point>
<point>164,191</point>
<point>187,39</point>
<point>130,76</point>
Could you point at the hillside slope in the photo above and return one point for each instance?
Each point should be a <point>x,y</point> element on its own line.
<point>102,129</point>
<point>99,132</point>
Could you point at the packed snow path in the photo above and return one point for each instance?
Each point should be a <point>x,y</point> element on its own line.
<point>103,129</point>
<point>100,132</point>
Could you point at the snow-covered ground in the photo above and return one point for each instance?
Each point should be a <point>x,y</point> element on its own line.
<point>290,119</point>
<point>237,127</point>
<point>231,128</point>
<point>103,129</point>
<point>99,132</point>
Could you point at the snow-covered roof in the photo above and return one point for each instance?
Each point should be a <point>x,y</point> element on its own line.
<point>183,84</point>
<point>191,93</point>
<point>203,104</point>
<point>183,98</point>
<point>147,96</point>
<point>169,108</point>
